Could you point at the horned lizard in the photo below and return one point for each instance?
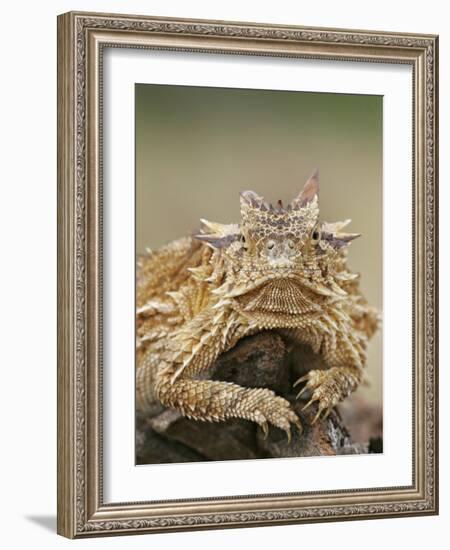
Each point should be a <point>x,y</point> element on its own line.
<point>280,269</point>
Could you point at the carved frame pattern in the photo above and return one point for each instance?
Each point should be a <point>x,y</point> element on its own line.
<point>81,37</point>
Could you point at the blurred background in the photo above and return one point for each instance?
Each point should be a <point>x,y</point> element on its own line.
<point>197,148</point>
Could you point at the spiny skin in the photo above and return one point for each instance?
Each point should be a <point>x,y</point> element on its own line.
<point>279,269</point>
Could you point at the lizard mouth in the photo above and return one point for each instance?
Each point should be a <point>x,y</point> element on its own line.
<point>283,296</point>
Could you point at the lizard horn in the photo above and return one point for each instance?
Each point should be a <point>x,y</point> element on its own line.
<point>250,198</point>
<point>309,191</point>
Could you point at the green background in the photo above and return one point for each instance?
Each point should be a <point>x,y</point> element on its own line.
<point>197,148</point>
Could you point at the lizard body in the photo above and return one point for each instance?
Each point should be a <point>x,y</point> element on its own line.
<point>279,269</point>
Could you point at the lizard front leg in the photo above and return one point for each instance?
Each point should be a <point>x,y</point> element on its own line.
<point>345,356</point>
<point>191,353</point>
<point>217,401</point>
<point>329,387</point>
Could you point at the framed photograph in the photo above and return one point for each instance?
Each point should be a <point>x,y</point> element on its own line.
<point>247,284</point>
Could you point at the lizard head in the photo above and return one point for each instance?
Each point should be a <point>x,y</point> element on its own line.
<point>279,251</point>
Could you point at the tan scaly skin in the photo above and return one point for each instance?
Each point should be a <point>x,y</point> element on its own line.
<point>279,269</point>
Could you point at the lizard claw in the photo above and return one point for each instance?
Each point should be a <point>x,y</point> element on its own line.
<point>317,415</point>
<point>288,433</point>
<point>299,426</point>
<point>301,379</point>
<point>265,428</point>
<point>319,412</point>
<point>310,402</point>
<point>302,391</point>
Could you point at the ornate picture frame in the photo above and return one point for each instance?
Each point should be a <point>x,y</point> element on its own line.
<point>82,39</point>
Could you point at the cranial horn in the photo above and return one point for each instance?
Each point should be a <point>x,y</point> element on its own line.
<point>332,233</point>
<point>217,235</point>
<point>251,198</point>
<point>309,191</point>
<point>347,237</point>
<point>217,241</point>
<point>335,227</point>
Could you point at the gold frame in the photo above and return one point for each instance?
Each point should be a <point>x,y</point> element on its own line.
<point>81,39</point>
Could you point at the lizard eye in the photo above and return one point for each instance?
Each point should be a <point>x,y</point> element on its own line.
<point>290,244</point>
<point>315,236</point>
<point>243,242</point>
<point>270,245</point>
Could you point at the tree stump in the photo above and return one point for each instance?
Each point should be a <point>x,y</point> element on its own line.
<point>264,360</point>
